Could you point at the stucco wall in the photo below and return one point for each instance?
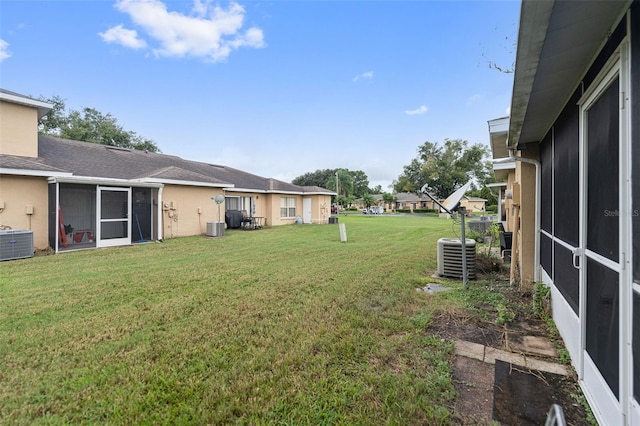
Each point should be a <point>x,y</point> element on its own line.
<point>273,209</point>
<point>526,176</point>
<point>189,209</point>
<point>18,192</point>
<point>18,130</point>
<point>473,206</point>
<point>320,208</point>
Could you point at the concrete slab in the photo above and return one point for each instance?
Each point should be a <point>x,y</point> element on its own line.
<point>532,345</point>
<point>473,380</point>
<point>434,288</point>
<point>492,354</point>
<point>469,350</point>
<point>546,366</point>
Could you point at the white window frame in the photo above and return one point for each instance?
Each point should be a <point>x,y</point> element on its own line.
<point>287,207</point>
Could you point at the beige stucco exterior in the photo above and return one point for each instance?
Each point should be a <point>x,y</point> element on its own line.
<point>18,130</point>
<point>525,174</point>
<point>18,196</point>
<point>473,205</point>
<point>320,208</point>
<point>187,209</point>
<point>178,209</point>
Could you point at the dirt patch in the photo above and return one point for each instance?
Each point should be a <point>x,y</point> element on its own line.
<point>479,400</point>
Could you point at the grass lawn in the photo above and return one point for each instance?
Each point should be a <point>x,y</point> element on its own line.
<point>286,325</point>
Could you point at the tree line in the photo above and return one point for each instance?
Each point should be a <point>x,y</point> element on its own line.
<point>443,167</point>
<point>89,125</point>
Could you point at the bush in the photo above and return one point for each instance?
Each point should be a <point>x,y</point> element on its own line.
<point>493,208</point>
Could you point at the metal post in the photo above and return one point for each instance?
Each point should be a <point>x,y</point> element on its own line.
<point>463,213</point>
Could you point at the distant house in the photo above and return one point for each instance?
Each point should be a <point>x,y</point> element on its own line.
<point>80,195</point>
<point>570,165</point>
<point>473,204</point>
<point>413,201</point>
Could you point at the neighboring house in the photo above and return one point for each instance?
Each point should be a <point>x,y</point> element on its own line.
<point>473,204</point>
<point>80,195</point>
<point>413,201</point>
<point>575,114</point>
<point>504,170</point>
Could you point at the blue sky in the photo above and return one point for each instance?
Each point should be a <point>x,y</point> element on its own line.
<point>275,88</point>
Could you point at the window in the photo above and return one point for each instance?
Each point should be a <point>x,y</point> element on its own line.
<point>287,207</point>
<point>232,203</point>
<point>239,203</point>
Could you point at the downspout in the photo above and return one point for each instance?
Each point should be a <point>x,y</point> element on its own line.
<point>536,163</point>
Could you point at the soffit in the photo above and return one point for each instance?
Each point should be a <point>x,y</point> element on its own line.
<point>557,41</point>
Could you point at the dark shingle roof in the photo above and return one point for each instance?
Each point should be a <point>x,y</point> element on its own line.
<point>25,163</point>
<point>101,161</point>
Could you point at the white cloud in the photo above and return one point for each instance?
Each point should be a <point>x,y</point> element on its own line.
<point>418,111</point>
<point>123,36</point>
<point>364,76</point>
<point>4,50</point>
<point>212,32</point>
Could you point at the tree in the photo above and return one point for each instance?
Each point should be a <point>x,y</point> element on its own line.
<point>376,189</point>
<point>344,182</point>
<point>368,200</point>
<point>389,200</point>
<point>90,125</point>
<point>360,183</point>
<point>317,178</point>
<point>444,168</point>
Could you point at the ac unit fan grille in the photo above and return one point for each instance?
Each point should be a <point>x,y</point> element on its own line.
<point>16,244</point>
<point>450,258</point>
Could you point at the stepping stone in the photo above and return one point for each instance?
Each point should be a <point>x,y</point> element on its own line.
<point>532,345</point>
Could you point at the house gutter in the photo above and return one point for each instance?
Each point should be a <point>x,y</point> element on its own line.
<point>536,163</point>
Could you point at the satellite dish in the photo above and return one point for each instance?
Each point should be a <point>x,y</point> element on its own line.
<point>219,199</point>
<point>452,200</point>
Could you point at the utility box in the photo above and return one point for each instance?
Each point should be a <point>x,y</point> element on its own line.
<point>16,244</point>
<point>215,229</point>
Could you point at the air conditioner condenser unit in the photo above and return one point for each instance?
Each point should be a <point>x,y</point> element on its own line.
<point>16,244</point>
<point>450,258</point>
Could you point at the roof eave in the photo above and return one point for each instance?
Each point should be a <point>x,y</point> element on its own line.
<point>557,41</point>
<point>42,107</point>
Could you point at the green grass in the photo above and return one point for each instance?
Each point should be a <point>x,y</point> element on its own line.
<point>286,325</point>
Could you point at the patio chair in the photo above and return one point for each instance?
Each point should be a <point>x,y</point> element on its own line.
<point>246,221</point>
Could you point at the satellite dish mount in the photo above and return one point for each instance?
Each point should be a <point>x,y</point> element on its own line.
<point>450,205</point>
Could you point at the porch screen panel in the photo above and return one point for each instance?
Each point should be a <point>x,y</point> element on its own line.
<point>546,184</point>
<point>114,206</point>
<point>602,195</point>
<point>602,321</point>
<point>636,346</point>
<point>635,176</point>
<point>565,277</point>
<point>635,147</point>
<point>546,254</point>
<point>142,214</point>
<point>566,165</point>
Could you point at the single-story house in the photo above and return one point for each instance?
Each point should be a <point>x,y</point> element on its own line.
<point>73,194</point>
<point>413,201</point>
<point>573,139</point>
<point>473,204</point>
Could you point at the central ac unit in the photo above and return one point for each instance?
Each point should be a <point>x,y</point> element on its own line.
<point>215,229</point>
<point>450,258</point>
<point>16,244</point>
